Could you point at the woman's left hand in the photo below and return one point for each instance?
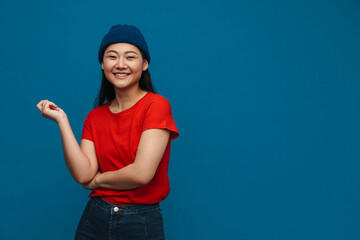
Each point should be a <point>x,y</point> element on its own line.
<point>92,184</point>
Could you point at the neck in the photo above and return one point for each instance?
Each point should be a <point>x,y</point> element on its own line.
<point>125,99</point>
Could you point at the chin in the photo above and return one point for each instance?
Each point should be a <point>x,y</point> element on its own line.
<point>125,86</point>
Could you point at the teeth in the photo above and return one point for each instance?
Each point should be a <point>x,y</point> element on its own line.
<point>121,74</point>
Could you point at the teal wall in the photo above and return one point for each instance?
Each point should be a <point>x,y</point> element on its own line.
<point>265,95</point>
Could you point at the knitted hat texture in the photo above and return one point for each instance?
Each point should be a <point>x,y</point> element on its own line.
<point>127,34</point>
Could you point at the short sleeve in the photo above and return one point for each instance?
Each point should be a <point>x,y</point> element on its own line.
<point>159,115</point>
<point>87,132</point>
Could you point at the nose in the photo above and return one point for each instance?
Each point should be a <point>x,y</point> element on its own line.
<point>121,63</point>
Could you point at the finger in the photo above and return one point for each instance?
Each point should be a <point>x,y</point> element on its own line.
<point>44,106</point>
<point>39,105</point>
<point>41,102</point>
<point>54,108</point>
<point>52,105</point>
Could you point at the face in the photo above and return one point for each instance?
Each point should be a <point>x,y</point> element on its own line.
<point>123,65</point>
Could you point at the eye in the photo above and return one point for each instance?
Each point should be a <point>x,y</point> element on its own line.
<point>130,57</point>
<point>111,57</point>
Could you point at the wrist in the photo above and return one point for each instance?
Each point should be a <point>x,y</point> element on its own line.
<point>97,180</point>
<point>62,119</point>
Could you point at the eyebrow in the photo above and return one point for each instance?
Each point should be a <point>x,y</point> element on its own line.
<point>125,52</point>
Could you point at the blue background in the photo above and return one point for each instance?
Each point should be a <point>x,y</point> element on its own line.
<point>265,95</point>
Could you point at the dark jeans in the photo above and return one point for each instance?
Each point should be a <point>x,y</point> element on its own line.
<point>102,220</point>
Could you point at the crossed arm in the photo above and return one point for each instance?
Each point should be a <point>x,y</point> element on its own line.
<point>83,164</point>
<point>151,148</point>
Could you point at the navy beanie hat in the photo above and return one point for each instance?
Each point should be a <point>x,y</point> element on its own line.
<point>124,33</point>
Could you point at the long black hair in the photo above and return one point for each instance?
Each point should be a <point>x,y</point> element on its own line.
<point>107,91</point>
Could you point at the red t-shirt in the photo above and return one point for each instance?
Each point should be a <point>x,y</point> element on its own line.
<point>116,138</point>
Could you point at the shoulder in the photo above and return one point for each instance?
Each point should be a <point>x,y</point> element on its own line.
<point>157,105</point>
<point>159,115</point>
<point>157,99</point>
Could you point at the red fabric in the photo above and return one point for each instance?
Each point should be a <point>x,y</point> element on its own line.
<point>116,138</point>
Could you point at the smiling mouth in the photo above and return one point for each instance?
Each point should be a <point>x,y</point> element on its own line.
<point>121,74</point>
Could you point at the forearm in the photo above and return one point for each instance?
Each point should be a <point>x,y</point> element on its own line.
<point>142,170</point>
<point>76,161</point>
<point>125,178</point>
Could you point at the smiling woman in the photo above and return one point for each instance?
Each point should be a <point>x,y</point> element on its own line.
<point>123,65</point>
<point>124,152</point>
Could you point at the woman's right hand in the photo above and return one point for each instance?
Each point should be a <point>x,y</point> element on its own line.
<point>50,110</point>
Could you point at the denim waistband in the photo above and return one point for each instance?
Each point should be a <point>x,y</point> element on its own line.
<point>124,209</point>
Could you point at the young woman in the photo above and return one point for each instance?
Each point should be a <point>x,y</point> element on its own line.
<point>124,152</point>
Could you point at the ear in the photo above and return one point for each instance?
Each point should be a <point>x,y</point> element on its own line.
<point>145,65</point>
<point>102,65</point>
